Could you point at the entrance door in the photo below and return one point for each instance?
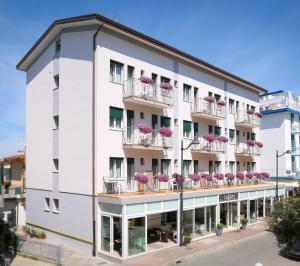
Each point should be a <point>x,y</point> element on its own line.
<point>106,233</point>
<point>228,214</point>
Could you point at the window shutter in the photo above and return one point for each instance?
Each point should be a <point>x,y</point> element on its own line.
<point>130,114</point>
<point>165,121</point>
<point>195,129</point>
<point>231,133</point>
<point>130,160</point>
<point>7,173</point>
<point>154,121</point>
<point>187,126</point>
<point>252,136</point>
<point>116,112</point>
<point>154,162</point>
<point>217,131</point>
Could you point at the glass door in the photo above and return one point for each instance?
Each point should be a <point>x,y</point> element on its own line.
<point>233,214</point>
<point>105,233</point>
<point>224,214</point>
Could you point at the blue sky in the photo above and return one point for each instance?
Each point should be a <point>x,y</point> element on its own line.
<point>255,39</point>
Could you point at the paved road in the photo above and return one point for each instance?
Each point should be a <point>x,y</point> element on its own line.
<point>261,248</point>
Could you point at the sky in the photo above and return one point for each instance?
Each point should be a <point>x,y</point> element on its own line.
<point>255,39</point>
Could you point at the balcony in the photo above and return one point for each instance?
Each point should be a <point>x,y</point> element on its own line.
<point>243,149</point>
<point>204,109</point>
<point>243,119</point>
<point>295,129</point>
<point>206,147</point>
<point>13,192</point>
<point>135,91</point>
<point>133,138</point>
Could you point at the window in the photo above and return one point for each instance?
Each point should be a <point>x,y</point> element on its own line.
<point>210,129</point>
<point>210,93</point>
<point>142,115</point>
<point>217,97</point>
<point>217,167</point>
<point>130,72</point>
<point>186,93</point>
<point>175,83</point>
<point>57,46</point>
<point>55,165</point>
<point>196,131</point>
<point>231,135</point>
<point>253,136</point>
<point>217,131</point>
<point>47,204</point>
<point>196,166</point>
<point>142,161</point>
<point>155,166</point>
<point>115,167</point>
<point>292,118</point>
<point>186,167</point>
<point>56,122</point>
<point>55,205</point>
<point>115,117</point>
<point>154,77</point>
<point>56,81</point>
<point>116,71</point>
<point>164,80</point>
<point>253,166</point>
<point>231,106</point>
<point>165,166</point>
<point>210,167</point>
<point>187,127</point>
<point>165,121</point>
<point>231,167</point>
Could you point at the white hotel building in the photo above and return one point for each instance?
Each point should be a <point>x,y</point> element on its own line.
<point>85,103</point>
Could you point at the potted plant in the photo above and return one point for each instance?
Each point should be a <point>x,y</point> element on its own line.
<point>221,103</point>
<point>259,144</point>
<point>209,99</point>
<point>250,111</point>
<point>244,222</point>
<point>145,129</point>
<point>165,132</point>
<point>187,239</point>
<point>220,228</point>
<point>166,86</point>
<point>209,137</point>
<point>146,80</point>
<point>223,139</point>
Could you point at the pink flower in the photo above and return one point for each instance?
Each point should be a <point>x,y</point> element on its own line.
<point>221,102</point>
<point>163,178</point>
<point>258,175</point>
<point>250,142</point>
<point>195,177</point>
<point>219,176</point>
<point>209,99</point>
<point>166,86</point>
<point>259,144</point>
<point>143,128</point>
<point>230,176</point>
<point>250,111</point>
<point>179,178</point>
<point>240,176</point>
<point>209,177</point>
<point>209,137</point>
<point>143,179</point>
<point>249,175</point>
<point>223,138</point>
<point>146,80</point>
<point>165,131</point>
<point>265,175</point>
<point>258,114</point>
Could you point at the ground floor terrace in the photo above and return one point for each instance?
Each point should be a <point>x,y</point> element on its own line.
<point>133,224</point>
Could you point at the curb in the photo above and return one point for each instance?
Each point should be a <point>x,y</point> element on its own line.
<point>181,260</point>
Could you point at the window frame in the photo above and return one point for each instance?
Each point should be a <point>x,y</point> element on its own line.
<point>47,206</point>
<point>113,71</point>
<point>113,166</point>
<point>188,95</point>
<point>55,207</point>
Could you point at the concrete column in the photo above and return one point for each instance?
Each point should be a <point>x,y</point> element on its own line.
<point>239,213</point>
<point>124,233</point>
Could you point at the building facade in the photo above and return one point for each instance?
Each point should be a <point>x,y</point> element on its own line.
<point>107,108</point>
<point>12,189</point>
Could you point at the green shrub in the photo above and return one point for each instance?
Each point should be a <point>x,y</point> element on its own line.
<point>244,220</point>
<point>187,239</point>
<point>220,226</point>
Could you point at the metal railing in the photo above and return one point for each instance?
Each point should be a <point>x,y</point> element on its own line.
<point>245,118</point>
<point>205,145</point>
<point>147,92</point>
<point>245,149</point>
<point>202,106</point>
<point>12,192</point>
<point>133,136</point>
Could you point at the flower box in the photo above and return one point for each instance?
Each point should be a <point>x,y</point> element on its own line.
<point>209,99</point>
<point>249,175</point>
<point>240,176</point>
<point>250,142</point>
<point>178,177</point>
<point>146,80</point>
<point>145,129</point>
<point>219,176</point>
<point>165,131</point>
<point>209,137</point>
<point>166,86</point>
<point>223,139</point>
<point>141,178</point>
<point>163,178</point>
<point>208,177</point>
<point>265,175</point>
<point>195,177</point>
<point>221,103</point>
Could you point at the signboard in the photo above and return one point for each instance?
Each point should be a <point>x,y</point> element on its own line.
<point>228,197</point>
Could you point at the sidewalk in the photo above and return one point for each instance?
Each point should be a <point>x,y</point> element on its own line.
<point>170,256</point>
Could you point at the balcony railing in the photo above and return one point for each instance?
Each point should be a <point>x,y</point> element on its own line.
<point>205,109</point>
<point>247,120</point>
<point>147,94</point>
<point>209,147</point>
<point>295,129</point>
<point>12,192</point>
<point>134,138</point>
<point>244,149</point>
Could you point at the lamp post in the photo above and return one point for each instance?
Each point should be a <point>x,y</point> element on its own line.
<point>195,141</point>
<point>277,156</point>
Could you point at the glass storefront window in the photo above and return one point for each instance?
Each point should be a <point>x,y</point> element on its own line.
<point>117,235</point>
<point>243,209</point>
<point>199,222</point>
<point>105,233</point>
<point>253,211</point>
<point>188,222</point>
<point>260,207</point>
<point>210,219</point>
<point>136,235</point>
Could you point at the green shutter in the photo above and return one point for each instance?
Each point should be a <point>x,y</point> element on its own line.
<point>18,190</point>
<point>165,121</point>
<point>130,160</point>
<point>217,131</point>
<point>7,173</point>
<point>130,114</point>
<point>231,133</point>
<point>154,121</point>
<point>154,162</point>
<point>116,112</point>
<point>187,126</point>
<point>252,136</point>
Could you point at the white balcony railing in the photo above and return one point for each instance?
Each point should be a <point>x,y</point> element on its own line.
<point>202,107</point>
<point>133,136</point>
<point>149,94</point>
<point>246,150</point>
<point>209,147</point>
<point>243,118</point>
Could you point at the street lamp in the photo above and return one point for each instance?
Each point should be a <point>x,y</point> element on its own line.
<point>277,156</point>
<point>195,141</point>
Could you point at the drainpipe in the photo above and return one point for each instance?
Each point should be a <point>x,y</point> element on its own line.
<point>93,142</point>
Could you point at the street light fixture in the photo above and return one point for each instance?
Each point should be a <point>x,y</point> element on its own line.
<point>194,142</point>
<point>277,156</point>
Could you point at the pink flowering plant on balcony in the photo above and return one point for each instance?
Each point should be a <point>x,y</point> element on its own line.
<point>249,175</point>
<point>163,178</point>
<point>219,176</point>
<point>265,175</point>
<point>145,129</point>
<point>258,114</point>
<point>259,144</point>
<point>141,178</point>
<point>146,80</point>
<point>209,99</point>
<point>240,176</point>
<point>257,175</point>
<point>229,176</point>
<point>178,177</point>
<point>221,103</point>
<point>194,177</point>
<point>166,86</point>
<point>209,137</point>
<point>250,142</point>
<point>223,139</point>
<point>165,131</point>
<point>209,177</point>
<point>250,111</point>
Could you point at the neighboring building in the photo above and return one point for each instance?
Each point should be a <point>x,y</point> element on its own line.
<point>98,93</point>
<point>280,131</point>
<point>12,187</point>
